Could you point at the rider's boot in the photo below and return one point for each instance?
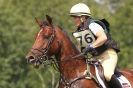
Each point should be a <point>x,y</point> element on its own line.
<point>114,82</point>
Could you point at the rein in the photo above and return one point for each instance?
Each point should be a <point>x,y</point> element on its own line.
<point>72,58</point>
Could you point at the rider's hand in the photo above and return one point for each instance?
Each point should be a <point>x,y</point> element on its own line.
<point>89,49</point>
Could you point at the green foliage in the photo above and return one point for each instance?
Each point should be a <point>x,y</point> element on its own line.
<point>122,30</point>
<point>17,30</point>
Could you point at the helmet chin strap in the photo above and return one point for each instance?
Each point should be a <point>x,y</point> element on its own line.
<point>82,22</point>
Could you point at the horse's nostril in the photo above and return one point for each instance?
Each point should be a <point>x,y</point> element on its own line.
<point>30,59</point>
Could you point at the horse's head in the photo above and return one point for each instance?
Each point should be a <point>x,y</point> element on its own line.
<point>45,43</point>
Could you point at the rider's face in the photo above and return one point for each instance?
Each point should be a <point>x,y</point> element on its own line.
<point>77,20</point>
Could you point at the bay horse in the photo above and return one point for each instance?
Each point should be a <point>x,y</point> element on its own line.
<point>72,65</point>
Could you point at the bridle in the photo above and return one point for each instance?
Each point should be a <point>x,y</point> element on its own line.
<point>44,56</point>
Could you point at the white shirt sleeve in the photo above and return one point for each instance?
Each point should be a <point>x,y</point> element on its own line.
<point>95,27</point>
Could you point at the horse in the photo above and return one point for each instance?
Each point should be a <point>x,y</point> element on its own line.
<point>71,63</point>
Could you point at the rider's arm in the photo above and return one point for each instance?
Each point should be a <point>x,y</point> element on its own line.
<point>98,31</point>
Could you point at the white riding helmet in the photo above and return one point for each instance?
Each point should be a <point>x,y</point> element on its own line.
<point>80,9</point>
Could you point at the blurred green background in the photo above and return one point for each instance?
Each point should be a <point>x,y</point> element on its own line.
<point>18,28</point>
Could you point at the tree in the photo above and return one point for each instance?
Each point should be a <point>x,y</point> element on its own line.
<point>18,28</point>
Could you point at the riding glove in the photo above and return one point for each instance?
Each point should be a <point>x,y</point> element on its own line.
<point>89,49</point>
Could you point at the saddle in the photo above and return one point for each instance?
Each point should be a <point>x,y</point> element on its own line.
<point>95,72</point>
<point>122,79</point>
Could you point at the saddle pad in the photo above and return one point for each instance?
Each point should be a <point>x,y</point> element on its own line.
<point>99,78</point>
<point>124,82</point>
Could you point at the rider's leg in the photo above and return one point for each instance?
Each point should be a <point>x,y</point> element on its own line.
<point>109,61</point>
<point>114,82</point>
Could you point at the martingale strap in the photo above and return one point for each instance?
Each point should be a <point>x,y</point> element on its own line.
<point>67,83</point>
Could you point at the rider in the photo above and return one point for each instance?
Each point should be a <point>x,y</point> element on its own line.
<point>92,36</point>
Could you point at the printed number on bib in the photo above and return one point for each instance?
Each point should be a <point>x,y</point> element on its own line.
<point>84,37</point>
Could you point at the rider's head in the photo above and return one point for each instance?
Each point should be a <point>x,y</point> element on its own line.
<point>80,12</point>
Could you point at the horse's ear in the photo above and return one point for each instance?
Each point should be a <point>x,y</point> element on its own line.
<point>38,22</point>
<point>49,19</point>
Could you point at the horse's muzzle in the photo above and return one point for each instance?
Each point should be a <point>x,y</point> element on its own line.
<point>32,60</point>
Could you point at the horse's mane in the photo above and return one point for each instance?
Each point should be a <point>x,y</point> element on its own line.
<point>68,38</point>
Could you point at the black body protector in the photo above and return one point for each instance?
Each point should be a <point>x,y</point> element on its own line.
<point>85,36</point>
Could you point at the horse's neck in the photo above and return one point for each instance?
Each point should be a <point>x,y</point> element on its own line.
<point>68,50</point>
<point>67,46</point>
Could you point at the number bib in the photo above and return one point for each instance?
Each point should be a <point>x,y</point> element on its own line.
<point>84,37</point>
